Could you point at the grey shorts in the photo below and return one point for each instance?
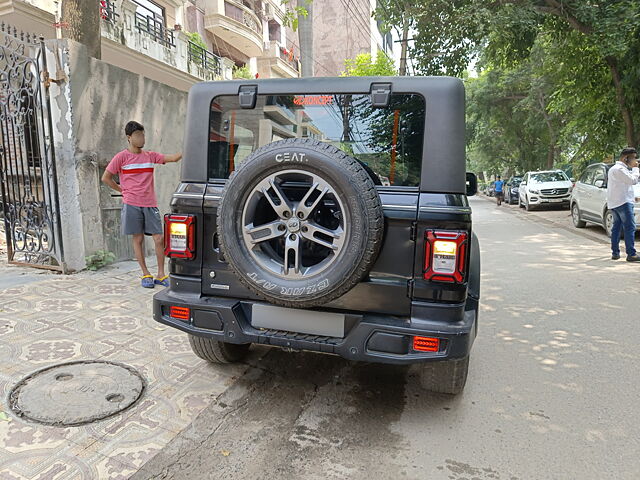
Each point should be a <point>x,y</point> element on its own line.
<point>136,220</point>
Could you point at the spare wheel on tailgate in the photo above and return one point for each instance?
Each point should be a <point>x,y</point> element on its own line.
<point>300,222</point>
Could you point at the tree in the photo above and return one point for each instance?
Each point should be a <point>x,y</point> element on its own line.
<point>364,66</point>
<point>505,31</point>
<point>582,55</point>
<point>293,13</point>
<point>399,15</point>
<point>81,22</point>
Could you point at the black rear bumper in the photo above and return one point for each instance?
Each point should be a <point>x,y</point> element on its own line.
<point>370,337</point>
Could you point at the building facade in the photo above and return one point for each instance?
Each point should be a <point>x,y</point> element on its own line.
<point>178,42</point>
<point>340,30</point>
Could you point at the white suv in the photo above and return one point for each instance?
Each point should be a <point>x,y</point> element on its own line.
<point>589,199</point>
<point>550,187</point>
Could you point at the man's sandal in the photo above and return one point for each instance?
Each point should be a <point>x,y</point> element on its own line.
<point>164,281</point>
<point>147,281</point>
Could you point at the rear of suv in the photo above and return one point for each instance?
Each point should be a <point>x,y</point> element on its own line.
<point>544,188</point>
<point>326,215</point>
<point>589,199</point>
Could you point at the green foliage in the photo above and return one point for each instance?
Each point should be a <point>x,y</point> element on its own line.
<point>364,66</point>
<point>559,78</point>
<point>99,259</point>
<point>242,73</point>
<point>195,38</point>
<point>292,14</point>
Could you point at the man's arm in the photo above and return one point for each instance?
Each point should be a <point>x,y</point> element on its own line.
<point>625,176</point>
<point>172,158</point>
<point>107,179</point>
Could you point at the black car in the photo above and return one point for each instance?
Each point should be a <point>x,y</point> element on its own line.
<point>328,215</point>
<point>511,190</point>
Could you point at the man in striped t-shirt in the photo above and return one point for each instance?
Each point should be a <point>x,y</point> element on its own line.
<point>140,214</point>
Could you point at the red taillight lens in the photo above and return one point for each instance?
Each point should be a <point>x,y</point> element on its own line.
<point>426,344</point>
<point>180,236</point>
<point>445,256</point>
<point>181,313</point>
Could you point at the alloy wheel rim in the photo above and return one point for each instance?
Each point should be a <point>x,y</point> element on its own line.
<point>294,224</point>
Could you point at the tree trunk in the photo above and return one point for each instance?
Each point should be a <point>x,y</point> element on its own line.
<point>630,133</point>
<point>81,22</point>
<point>553,137</point>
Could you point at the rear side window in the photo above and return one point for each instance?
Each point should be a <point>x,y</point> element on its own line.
<point>387,141</point>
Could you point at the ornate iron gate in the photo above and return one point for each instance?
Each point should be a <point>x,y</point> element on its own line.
<point>28,180</point>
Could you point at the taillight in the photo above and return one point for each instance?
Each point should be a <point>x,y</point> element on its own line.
<point>445,256</point>
<point>179,236</point>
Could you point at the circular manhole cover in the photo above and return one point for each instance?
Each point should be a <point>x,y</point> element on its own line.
<point>76,393</point>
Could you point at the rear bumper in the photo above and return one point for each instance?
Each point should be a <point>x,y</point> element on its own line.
<point>369,337</point>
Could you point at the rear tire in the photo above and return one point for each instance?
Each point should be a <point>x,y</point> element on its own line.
<point>215,351</point>
<point>447,377</point>
<point>575,215</point>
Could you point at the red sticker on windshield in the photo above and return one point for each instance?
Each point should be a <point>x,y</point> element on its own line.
<point>313,100</point>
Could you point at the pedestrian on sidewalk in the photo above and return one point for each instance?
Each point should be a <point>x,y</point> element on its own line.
<point>621,200</point>
<point>140,215</point>
<point>499,190</point>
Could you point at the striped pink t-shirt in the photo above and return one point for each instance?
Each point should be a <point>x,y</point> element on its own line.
<point>136,176</point>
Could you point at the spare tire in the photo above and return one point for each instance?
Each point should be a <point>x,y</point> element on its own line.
<point>300,222</point>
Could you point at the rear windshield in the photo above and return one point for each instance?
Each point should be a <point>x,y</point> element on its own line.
<point>549,177</point>
<point>387,141</point>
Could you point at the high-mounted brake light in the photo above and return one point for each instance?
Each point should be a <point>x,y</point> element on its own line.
<point>445,256</point>
<point>179,236</point>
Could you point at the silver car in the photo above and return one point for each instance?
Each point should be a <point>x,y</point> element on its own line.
<point>589,199</point>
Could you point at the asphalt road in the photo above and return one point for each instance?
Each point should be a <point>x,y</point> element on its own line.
<point>552,391</point>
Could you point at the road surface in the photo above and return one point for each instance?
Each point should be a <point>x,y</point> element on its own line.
<point>553,389</point>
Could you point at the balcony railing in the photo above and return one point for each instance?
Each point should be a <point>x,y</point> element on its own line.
<point>108,11</point>
<point>288,57</point>
<point>243,15</point>
<point>156,29</point>
<point>205,59</point>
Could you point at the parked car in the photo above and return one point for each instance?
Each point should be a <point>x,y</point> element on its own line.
<point>491,189</point>
<point>297,244</point>
<point>511,190</point>
<point>544,188</point>
<point>589,199</point>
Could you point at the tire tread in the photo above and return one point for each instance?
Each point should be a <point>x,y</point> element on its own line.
<point>215,351</point>
<point>447,377</point>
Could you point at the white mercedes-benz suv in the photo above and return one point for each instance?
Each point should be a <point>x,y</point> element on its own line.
<point>550,187</point>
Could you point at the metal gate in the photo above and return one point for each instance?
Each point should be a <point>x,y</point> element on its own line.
<point>28,180</point>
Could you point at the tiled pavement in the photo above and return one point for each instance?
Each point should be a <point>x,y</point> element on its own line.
<point>50,319</point>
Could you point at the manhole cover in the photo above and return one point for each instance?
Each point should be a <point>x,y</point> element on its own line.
<point>76,393</point>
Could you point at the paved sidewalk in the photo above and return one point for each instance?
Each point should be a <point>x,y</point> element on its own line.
<point>47,319</point>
